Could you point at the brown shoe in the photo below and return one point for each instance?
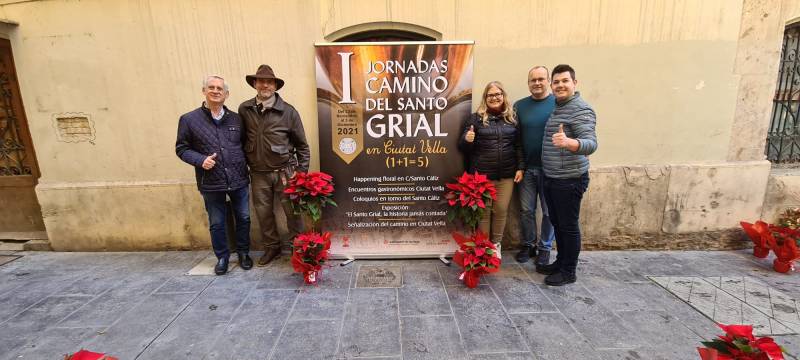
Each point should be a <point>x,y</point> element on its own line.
<point>268,256</point>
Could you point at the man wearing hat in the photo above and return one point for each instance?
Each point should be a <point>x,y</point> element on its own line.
<point>275,147</point>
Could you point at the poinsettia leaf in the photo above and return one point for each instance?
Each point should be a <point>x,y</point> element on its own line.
<point>744,347</point>
<point>720,346</point>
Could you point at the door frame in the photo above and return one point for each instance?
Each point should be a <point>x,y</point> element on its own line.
<point>15,99</point>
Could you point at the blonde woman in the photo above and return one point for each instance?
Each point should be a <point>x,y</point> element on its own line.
<point>491,141</point>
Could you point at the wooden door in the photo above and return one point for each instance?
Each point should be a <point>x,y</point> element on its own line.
<point>20,213</point>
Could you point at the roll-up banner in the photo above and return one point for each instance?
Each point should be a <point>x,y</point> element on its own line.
<point>389,121</point>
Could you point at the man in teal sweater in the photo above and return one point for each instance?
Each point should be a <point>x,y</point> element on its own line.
<point>533,112</point>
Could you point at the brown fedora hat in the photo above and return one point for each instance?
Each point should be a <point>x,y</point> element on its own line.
<point>264,72</point>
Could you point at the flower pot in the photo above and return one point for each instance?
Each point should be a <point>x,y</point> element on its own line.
<point>760,252</point>
<point>472,279</point>
<point>782,266</point>
<point>308,223</point>
<point>310,277</point>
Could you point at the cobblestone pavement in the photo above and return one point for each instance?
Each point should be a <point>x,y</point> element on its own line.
<point>142,306</point>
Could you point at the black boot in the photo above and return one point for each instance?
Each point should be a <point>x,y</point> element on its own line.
<point>222,266</point>
<point>245,262</point>
<point>525,254</point>
<point>560,279</point>
<point>547,269</point>
<point>543,258</point>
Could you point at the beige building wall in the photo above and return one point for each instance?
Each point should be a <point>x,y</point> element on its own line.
<point>682,90</point>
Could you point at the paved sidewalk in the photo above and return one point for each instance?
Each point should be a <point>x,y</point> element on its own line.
<point>142,306</point>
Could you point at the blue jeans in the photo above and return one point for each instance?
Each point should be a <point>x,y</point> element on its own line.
<point>217,212</point>
<point>531,189</point>
<point>564,199</point>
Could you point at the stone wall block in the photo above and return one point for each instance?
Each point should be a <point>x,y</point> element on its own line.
<point>714,197</point>
<point>622,202</point>
<point>783,192</point>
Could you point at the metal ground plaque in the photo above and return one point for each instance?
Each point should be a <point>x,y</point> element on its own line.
<point>371,276</point>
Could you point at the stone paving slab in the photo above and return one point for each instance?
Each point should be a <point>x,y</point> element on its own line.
<point>256,326</point>
<point>53,343</point>
<point>308,339</point>
<point>551,336</point>
<point>518,294</point>
<point>737,300</point>
<point>503,356</point>
<point>615,295</point>
<point>422,292</point>
<point>26,326</point>
<point>134,331</point>
<point>431,337</point>
<point>371,324</point>
<point>485,325</point>
<point>142,306</point>
<point>316,303</point>
<point>106,308</point>
<point>602,327</point>
<point>7,258</point>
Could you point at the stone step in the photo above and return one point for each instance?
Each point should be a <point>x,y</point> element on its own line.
<point>23,235</point>
<point>37,245</point>
<point>12,246</point>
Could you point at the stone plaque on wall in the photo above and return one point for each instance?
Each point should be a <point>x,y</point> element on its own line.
<point>74,127</point>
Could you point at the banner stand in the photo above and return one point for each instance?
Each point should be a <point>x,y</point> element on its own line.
<point>390,116</point>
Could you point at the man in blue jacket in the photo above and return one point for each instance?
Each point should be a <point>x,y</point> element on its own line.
<point>210,139</point>
<point>569,139</point>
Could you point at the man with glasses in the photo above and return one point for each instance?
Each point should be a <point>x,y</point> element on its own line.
<point>210,139</point>
<point>569,139</point>
<point>532,113</point>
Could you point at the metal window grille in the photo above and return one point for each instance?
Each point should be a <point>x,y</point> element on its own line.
<point>12,150</point>
<point>783,139</point>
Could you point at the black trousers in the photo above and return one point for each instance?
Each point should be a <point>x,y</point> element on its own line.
<point>563,198</point>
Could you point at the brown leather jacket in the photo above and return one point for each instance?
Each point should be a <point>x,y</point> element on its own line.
<point>274,139</point>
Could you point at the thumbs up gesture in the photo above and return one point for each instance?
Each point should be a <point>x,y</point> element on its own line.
<point>209,162</point>
<point>560,139</point>
<point>470,137</point>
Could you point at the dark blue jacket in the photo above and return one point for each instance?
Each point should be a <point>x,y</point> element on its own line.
<point>199,137</point>
<point>496,151</point>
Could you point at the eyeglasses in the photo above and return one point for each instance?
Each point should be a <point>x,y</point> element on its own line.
<point>495,95</point>
<point>537,80</point>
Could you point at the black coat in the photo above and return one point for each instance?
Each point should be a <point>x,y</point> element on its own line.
<point>199,137</point>
<point>496,150</point>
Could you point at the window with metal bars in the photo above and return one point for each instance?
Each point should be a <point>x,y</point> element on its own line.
<point>783,138</point>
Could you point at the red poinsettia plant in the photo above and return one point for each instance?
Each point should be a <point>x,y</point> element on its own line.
<point>782,240</point>
<point>477,256</point>
<point>89,355</point>
<point>757,232</point>
<point>469,197</point>
<point>309,252</point>
<point>309,193</point>
<point>739,343</point>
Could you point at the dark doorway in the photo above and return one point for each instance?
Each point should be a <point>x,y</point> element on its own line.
<point>20,214</point>
<point>384,35</point>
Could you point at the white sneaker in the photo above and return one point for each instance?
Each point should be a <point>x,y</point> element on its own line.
<point>499,254</point>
